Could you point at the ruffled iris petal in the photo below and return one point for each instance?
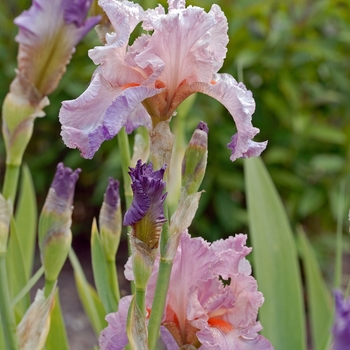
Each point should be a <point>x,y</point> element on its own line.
<point>240,103</point>
<point>114,336</point>
<point>99,114</point>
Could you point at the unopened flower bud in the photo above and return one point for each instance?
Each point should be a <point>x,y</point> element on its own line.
<point>146,215</point>
<point>195,159</point>
<point>55,235</point>
<point>5,214</point>
<point>48,34</point>
<point>110,220</point>
<point>35,325</point>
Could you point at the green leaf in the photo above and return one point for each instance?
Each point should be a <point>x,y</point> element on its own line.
<point>2,339</point>
<point>16,271</point>
<point>91,302</point>
<point>26,219</point>
<point>318,296</point>
<point>57,336</point>
<point>100,271</point>
<point>275,261</point>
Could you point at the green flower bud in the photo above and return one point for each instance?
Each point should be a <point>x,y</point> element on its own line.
<point>110,220</point>
<point>195,159</point>
<point>55,236</point>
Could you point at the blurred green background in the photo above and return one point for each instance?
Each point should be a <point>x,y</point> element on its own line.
<point>293,56</point>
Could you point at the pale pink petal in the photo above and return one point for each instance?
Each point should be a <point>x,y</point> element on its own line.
<point>176,5</point>
<point>124,16</point>
<point>231,254</point>
<point>215,339</point>
<point>248,301</point>
<point>138,117</point>
<point>82,119</point>
<point>219,37</point>
<point>168,339</point>
<point>182,40</point>
<point>114,336</point>
<point>240,103</point>
<point>208,298</point>
<point>99,113</point>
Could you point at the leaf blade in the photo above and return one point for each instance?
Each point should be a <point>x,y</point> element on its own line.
<point>275,261</point>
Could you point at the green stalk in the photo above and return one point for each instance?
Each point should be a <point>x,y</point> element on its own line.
<point>10,183</point>
<point>113,278</point>
<point>123,142</point>
<point>140,298</point>
<point>162,286</point>
<point>49,285</point>
<point>7,316</point>
<point>159,302</point>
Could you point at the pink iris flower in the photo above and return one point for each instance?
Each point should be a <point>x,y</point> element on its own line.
<point>143,84</point>
<point>212,301</point>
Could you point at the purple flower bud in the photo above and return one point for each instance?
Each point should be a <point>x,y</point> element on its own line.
<point>146,214</point>
<point>203,126</point>
<point>110,220</point>
<point>64,183</point>
<point>195,159</point>
<point>111,196</point>
<point>55,221</point>
<point>341,328</point>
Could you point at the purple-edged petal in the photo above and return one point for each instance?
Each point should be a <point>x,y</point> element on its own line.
<point>240,103</point>
<point>49,27</point>
<point>341,328</point>
<point>99,114</point>
<point>114,336</point>
<point>83,119</point>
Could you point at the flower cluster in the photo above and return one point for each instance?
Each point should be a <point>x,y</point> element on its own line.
<point>144,83</point>
<point>212,302</point>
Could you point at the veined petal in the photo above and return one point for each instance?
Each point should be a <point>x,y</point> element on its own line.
<point>216,339</point>
<point>231,254</point>
<point>83,119</point>
<point>99,114</point>
<point>240,103</point>
<point>48,33</point>
<point>114,336</point>
<point>182,40</point>
<point>124,16</point>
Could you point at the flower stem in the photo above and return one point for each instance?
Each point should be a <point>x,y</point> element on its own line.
<point>10,183</point>
<point>140,298</point>
<point>123,142</point>
<point>113,278</point>
<point>49,285</point>
<point>162,286</point>
<point>159,302</point>
<point>7,316</point>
